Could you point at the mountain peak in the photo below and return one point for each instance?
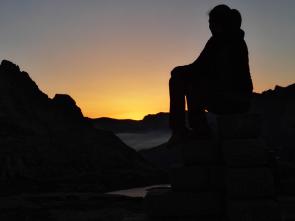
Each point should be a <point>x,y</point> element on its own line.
<point>18,84</point>
<point>8,65</point>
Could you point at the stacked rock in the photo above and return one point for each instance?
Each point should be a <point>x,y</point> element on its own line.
<point>226,178</point>
<point>250,187</point>
<point>197,187</point>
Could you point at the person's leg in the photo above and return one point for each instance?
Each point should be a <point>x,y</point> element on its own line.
<point>178,85</point>
<point>197,101</point>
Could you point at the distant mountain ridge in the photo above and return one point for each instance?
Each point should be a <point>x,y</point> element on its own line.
<point>288,91</point>
<point>150,122</point>
<point>49,144</point>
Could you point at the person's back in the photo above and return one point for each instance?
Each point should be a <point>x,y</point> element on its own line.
<point>232,64</point>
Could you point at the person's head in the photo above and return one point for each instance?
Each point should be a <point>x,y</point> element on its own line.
<point>219,19</point>
<point>223,19</point>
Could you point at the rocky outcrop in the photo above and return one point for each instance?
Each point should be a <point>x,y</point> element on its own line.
<point>277,108</point>
<point>49,144</point>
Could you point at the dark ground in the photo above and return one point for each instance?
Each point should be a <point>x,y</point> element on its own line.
<point>90,207</point>
<point>70,206</point>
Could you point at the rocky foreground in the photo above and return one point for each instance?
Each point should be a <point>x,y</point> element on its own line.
<point>90,206</point>
<point>70,206</point>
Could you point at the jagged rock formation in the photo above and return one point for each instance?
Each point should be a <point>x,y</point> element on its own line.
<point>278,110</point>
<point>48,142</point>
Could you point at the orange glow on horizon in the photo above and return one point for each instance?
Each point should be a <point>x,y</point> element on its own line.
<point>127,100</point>
<point>135,108</point>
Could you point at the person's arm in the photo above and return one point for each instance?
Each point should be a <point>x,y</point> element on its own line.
<point>204,56</point>
<point>199,64</point>
<point>180,70</point>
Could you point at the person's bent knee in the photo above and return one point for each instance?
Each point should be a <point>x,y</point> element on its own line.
<point>176,75</point>
<point>172,74</point>
<point>175,72</point>
<point>172,82</point>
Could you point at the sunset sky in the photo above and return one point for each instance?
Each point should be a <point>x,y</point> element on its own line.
<point>114,56</point>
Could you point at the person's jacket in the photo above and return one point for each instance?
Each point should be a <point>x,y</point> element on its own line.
<point>224,62</point>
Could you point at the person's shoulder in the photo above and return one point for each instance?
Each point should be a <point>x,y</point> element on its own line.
<point>211,40</point>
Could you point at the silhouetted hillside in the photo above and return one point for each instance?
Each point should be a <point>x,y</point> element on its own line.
<point>48,144</point>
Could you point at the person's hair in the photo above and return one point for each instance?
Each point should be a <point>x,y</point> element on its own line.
<point>225,16</point>
<point>221,14</point>
<point>236,20</point>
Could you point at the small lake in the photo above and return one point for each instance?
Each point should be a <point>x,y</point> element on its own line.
<point>140,191</point>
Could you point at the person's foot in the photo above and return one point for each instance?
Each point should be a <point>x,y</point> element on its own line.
<point>177,138</point>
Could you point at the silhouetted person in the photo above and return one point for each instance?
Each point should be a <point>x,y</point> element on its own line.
<point>218,80</point>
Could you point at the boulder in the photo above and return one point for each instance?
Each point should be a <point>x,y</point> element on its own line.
<point>201,152</point>
<point>253,210</point>
<point>244,152</point>
<point>239,126</point>
<point>249,183</point>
